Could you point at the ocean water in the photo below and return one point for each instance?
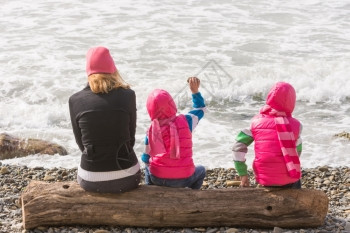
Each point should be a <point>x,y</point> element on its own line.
<point>238,49</point>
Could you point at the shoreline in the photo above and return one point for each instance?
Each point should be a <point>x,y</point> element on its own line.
<point>334,181</point>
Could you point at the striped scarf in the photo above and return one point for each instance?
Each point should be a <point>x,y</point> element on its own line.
<point>155,138</point>
<point>286,139</point>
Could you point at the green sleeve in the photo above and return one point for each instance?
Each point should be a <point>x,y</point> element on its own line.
<point>241,168</point>
<point>245,138</point>
<point>300,148</point>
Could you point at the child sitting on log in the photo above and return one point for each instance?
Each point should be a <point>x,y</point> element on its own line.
<point>277,142</point>
<point>168,143</point>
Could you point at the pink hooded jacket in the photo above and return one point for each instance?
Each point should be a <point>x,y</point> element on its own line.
<point>169,137</point>
<point>270,165</point>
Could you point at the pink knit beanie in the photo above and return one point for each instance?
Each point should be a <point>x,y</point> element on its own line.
<point>99,60</point>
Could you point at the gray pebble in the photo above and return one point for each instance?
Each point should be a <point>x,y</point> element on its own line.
<point>347,226</point>
<point>214,230</point>
<point>277,230</point>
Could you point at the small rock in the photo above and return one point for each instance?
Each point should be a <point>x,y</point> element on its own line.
<point>205,184</point>
<point>277,230</point>
<point>64,173</point>
<point>231,230</point>
<point>102,231</point>
<point>318,180</point>
<point>18,203</point>
<point>49,178</point>
<point>200,229</point>
<point>347,226</point>
<point>42,228</point>
<point>327,182</point>
<point>4,170</point>
<point>186,230</point>
<point>347,195</point>
<point>323,169</point>
<point>214,230</point>
<point>217,183</point>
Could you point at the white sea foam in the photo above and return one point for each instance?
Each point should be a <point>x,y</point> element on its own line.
<point>238,49</point>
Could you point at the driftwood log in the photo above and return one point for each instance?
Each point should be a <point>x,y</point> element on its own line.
<point>11,147</point>
<point>65,203</point>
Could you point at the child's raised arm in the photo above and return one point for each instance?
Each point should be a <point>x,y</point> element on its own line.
<point>197,113</point>
<point>194,84</point>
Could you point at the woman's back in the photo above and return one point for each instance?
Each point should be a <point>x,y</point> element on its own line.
<point>103,117</point>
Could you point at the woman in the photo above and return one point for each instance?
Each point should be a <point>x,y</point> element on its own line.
<point>103,117</point>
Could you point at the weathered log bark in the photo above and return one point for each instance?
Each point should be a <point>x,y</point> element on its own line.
<point>11,147</point>
<point>65,203</point>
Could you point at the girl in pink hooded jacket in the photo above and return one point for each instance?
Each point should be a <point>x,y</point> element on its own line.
<point>277,141</point>
<point>168,143</point>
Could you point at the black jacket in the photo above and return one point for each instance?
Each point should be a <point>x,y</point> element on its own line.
<point>104,128</point>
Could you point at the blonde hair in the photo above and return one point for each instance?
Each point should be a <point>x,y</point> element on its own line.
<point>104,83</point>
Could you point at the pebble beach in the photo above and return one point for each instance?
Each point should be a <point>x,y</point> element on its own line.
<point>334,181</point>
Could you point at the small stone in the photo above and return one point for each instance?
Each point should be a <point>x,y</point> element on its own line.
<point>323,169</point>
<point>318,180</point>
<point>105,231</point>
<point>205,184</point>
<point>49,178</point>
<point>217,183</point>
<point>214,230</point>
<point>186,230</point>
<point>4,170</point>
<point>347,226</point>
<point>18,203</point>
<point>231,230</point>
<point>347,195</point>
<point>42,228</point>
<point>200,229</point>
<point>277,230</point>
<point>327,182</point>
